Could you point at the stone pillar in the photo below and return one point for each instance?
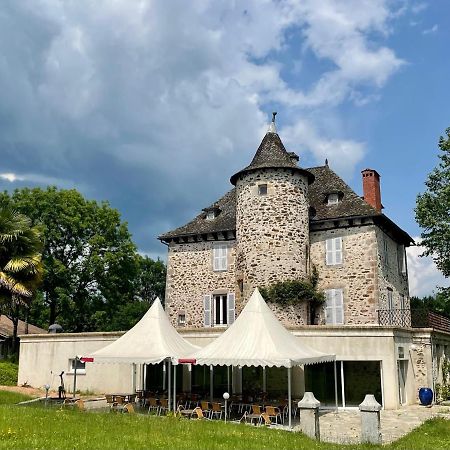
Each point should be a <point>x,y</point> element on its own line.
<point>309,415</point>
<point>370,420</point>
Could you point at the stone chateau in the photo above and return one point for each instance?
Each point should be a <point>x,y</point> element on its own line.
<point>276,224</point>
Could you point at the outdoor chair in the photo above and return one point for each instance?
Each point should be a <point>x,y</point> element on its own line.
<point>255,415</point>
<point>110,401</point>
<point>80,404</point>
<point>128,408</point>
<point>120,400</point>
<point>199,413</point>
<point>204,405</point>
<point>274,412</point>
<point>153,405</point>
<point>216,410</point>
<point>264,419</point>
<point>164,406</point>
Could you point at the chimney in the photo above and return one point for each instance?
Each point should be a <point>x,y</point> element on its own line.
<point>371,188</point>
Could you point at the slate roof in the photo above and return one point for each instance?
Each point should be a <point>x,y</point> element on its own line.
<point>271,154</point>
<point>323,181</point>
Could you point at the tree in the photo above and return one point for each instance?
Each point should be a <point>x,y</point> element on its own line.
<point>151,281</point>
<point>433,210</point>
<point>21,267</point>
<point>89,258</point>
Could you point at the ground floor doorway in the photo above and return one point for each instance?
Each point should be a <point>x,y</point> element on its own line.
<point>355,379</point>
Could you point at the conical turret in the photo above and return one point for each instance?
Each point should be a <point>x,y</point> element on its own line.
<point>272,217</point>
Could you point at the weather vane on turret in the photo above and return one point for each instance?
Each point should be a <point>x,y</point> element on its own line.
<point>272,128</point>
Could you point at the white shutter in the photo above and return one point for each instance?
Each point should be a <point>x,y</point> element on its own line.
<point>224,252</point>
<point>329,306</point>
<point>329,251</point>
<point>338,307</point>
<point>220,257</point>
<point>207,310</point>
<point>338,250</point>
<point>334,251</point>
<point>216,258</point>
<point>231,308</point>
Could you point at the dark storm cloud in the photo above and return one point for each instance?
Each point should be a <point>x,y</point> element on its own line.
<point>151,105</point>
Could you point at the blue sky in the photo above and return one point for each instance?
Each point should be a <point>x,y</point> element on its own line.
<point>152,105</point>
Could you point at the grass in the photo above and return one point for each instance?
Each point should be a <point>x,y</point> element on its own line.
<point>42,428</point>
<point>8,373</point>
<point>9,398</point>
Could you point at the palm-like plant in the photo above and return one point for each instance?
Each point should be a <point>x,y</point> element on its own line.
<point>21,268</point>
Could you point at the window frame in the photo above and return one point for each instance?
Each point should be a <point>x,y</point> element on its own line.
<point>332,305</point>
<point>334,256</point>
<point>220,261</point>
<point>332,199</point>
<point>262,189</point>
<point>81,368</point>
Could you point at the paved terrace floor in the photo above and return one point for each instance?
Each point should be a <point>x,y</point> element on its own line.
<point>345,426</point>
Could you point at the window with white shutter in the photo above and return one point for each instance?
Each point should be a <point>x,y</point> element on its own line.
<point>231,308</point>
<point>207,310</point>
<point>334,306</point>
<point>220,255</point>
<point>401,256</point>
<point>333,248</point>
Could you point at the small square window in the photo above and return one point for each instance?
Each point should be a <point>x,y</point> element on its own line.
<point>333,199</point>
<point>181,319</point>
<point>262,189</point>
<point>81,366</point>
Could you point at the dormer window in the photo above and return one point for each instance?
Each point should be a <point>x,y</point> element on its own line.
<point>333,199</point>
<point>211,213</point>
<point>262,189</point>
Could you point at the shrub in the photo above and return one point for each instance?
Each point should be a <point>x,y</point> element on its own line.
<point>8,373</point>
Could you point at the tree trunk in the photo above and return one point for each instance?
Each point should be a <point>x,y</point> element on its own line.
<point>15,321</point>
<point>52,303</point>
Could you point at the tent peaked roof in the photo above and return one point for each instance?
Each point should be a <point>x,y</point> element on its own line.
<point>257,338</point>
<point>150,341</point>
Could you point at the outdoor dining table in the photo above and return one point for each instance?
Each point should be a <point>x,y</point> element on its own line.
<point>127,396</point>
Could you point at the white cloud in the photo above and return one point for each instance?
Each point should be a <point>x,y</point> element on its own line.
<point>342,154</point>
<point>431,30</point>
<point>11,177</point>
<point>424,277</point>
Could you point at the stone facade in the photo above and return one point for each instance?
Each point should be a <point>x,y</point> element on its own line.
<point>190,276</point>
<point>357,276</point>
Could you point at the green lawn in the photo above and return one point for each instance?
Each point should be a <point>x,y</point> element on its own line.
<point>35,427</point>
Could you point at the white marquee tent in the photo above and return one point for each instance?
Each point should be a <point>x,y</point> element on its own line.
<point>152,340</point>
<point>257,338</point>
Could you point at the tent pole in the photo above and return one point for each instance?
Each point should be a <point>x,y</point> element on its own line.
<point>164,375</point>
<point>264,380</point>
<point>335,386</point>
<point>168,384</point>
<point>211,381</point>
<point>174,387</point>
<point>228,379</point>
<point>289,398</point>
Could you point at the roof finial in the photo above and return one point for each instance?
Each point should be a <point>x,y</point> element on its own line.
<point>272,128</point>
<point>326,162</point>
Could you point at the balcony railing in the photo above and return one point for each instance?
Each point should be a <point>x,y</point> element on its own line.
<point>394,317</point>
<point>416,318</point>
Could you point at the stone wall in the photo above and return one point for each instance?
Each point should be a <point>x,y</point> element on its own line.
<point>190,276</point>
<point>357,275</point>
<point>389,275</point>
<point>272,231</point>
